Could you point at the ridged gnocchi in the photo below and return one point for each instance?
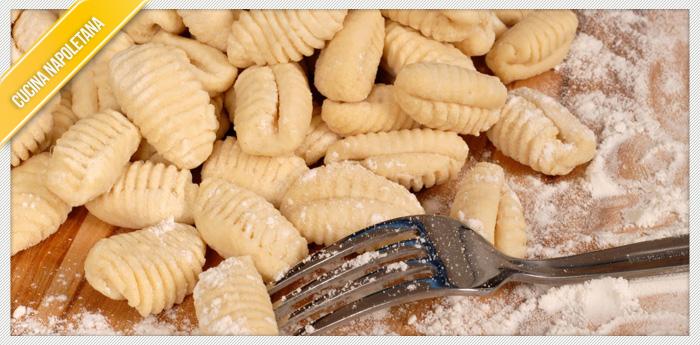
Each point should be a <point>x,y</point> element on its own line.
<point>30,26</point>
<point>404,46</point>
<point>237,222</point>
<point>487,205</point>
<point>268,177</point>
<point>145,194</point>
<point>90,156</point>
<point>379,112</point>
<point>512,17</point>
<point>210,27</point>
<point>537,131</point>
<point>534,45</point>
<point>347,66</point>
<point>152,269</point>
<point>416,159</point>
<point>160,93</point>
<point>272,109</point>
<point>36,135</point>
<point>63,117</point>
<point>231,299</point>
<point>268,37</point>
<point>481,36</point>
<point>333,201</point>
<point>317,140</point>
<point>440,25</point>
<point>37,212</point>
<point>449,98</point>
<point>148,23</point>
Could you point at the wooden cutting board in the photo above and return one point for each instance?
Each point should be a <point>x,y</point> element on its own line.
<point>48,278</point>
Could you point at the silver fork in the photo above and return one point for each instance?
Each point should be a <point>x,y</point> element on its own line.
<point>418,257</point>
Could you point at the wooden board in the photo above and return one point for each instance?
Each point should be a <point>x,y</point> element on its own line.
<point>49,277</point>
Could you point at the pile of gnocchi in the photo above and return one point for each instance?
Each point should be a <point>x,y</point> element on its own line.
<point>258,132</point>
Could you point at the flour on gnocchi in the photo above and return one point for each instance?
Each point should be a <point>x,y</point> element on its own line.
<point>237,222</point>
<point>152,269</point>
<point>231,299</point>
<point>336,200</point>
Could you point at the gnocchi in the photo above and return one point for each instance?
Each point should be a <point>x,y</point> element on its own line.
<point>148,23</point>
<point>206,25</point>
<point>440,25</point>
<point>317,140</point>
<point>35,136</point>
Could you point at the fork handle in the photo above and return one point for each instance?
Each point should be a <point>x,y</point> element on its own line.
<point>667,255</point>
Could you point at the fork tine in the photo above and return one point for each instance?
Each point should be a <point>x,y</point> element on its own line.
<point>356,243</point>
<point>348,271</point>
<point>356,290</point>
<point>409,291</point>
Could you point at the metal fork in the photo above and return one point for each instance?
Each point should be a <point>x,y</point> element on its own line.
<point>418,257</point>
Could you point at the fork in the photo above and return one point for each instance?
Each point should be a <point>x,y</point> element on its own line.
<point>419,257</point>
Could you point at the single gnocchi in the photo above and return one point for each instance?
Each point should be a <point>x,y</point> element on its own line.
<point>30,26</point>
<point>160,93</point>
<point>237,222</point>
<point>210,27</point>
<point>449,98</point>
<point>268,177</point>
<point>268,37</point>
<point>272,109</point>
<point>148,23</point>
<point>336,200</point>
<point>378,113</point>
<point>63,117</point>
<point>347,66</point>
<point>534,45</point>
<point>90,156</point>
<point>440,25</point>
<point>487,205</point>
<point>37,212</point>
<point>317,140</point>
<point>152,269</point>
<point>145,194</point>
<point>417,159</point>
<point>231,299</point>
<point>512,16</point>
<point>537,131</point>
<point>404,46</point>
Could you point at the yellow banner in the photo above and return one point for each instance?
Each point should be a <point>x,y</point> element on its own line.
<point>60,53</point>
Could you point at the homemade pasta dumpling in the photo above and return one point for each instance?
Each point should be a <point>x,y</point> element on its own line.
<point>210,27</point>
<point>148,23</point>
<point>231,299</point>
<point>145,194</point>
<point>91,89</point>
<point>317,140</point>
<point>272,109</point>
<point>417,159</point>
<point>441,25</point>
<point>404,46</point>
<point>152,269</point>
<point>236,222</point>
<point>146,152</point>
<point>449,98</point>
<point>268,37</point>
<point>338,199</point>
<point>30,26</point>
<point>35,136</point>
<point>160,93</point>
<point>209,65</point>
<point>487,205</point>
<point>481,36</point>
<point>537,131</point>
<point>268,177</point>
<point>347,66</point>
<point>36,212</point>
<point>378,113</point>
<point>511,17</point>
<point>90,156</point>
<point>534,45</point>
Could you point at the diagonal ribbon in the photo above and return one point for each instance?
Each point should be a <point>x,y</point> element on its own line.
<point>58,55</point>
